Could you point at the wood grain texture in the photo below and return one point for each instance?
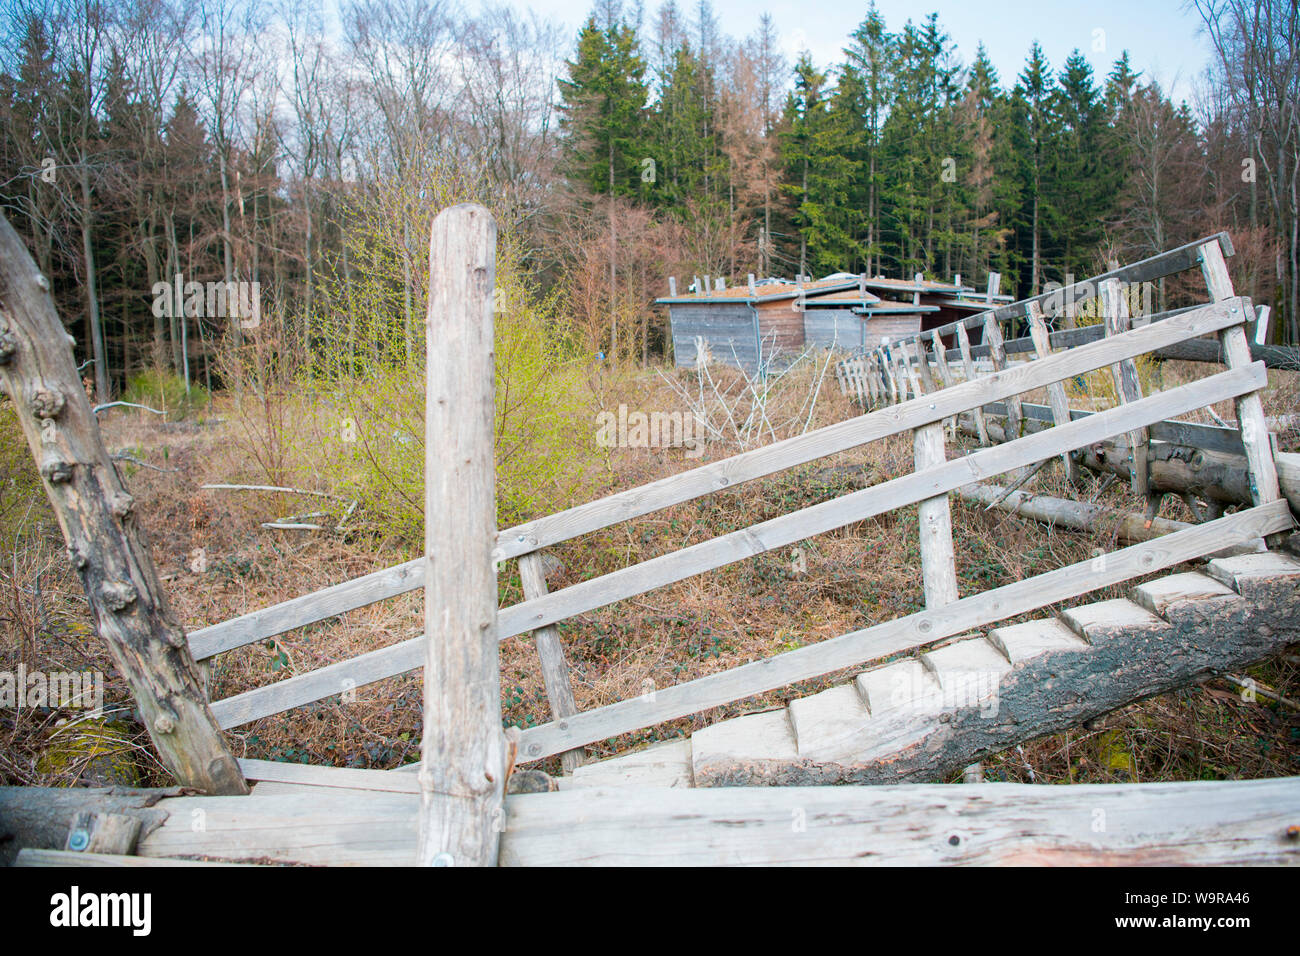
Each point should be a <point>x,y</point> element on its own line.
<point>550,654</point>
<point>1236,823</point>
<point>1056,397</point>
<point>106,545</point>
<point>1021,682</point>
<point>1239,822</point>
<point>463,762</point>
<point>1250,409</point>
<point>1127,387</point>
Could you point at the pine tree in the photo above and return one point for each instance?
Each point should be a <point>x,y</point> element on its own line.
<point>868,63</point>
<point>1033,97</point>
<point>603,115</point>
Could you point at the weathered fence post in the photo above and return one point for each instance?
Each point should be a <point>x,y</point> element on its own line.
<point>1042,339</point>
<point>550,652</point>
<point>463,752</point>
<point>105,544</point>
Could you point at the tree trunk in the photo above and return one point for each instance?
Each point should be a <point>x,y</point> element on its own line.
<point>92,292</point>
<point>105,544</point>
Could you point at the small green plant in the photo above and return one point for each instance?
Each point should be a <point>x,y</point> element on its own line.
<point>166,393</point>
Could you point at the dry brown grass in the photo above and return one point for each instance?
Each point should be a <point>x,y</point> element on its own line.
<point>851,578</point>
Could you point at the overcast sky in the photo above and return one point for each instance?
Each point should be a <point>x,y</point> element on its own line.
<point>1164,37</point>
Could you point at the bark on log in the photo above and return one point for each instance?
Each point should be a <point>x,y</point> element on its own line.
<point>1209,350</point>
<point>1175,469</point>
<point>1127,527</point>
<point>1047,685</point>
<point>105,544</point>
<point>40,817</point>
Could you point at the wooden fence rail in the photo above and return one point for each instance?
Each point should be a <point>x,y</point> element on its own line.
<point>717,476</point>
<point>916,391</point>
<point>787,529</point>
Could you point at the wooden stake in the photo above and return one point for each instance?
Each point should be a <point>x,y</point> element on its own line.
<point>968,363</point>
<point>463,752</point>
<point>105,544</point>
<point>1250,410</point>
<point>1056,391</point>
<point>998,356</point>
<point>555,669</point>
<point>1127,386</point>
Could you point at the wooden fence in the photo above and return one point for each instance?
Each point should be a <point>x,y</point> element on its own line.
<point>911,387</point>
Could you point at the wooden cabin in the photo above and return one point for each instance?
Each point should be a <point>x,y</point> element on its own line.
<point>773,320</point>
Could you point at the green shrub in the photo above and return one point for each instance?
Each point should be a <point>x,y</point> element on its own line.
<point>166,393</point>
<point>368,365</point>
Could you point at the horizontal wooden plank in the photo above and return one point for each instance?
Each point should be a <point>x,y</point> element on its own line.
<point>1202,822</point>
<point>63,858</point>
<point>765,536</point>
<point>1163,264</point>
<point>1207,822</point>
<point>314,775</point>
<point>904,634</point>
<point>728,473</point>
<point>1226,441</point>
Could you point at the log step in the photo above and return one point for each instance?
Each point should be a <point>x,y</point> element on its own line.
<point>666,764</point>
<point>908,720</point>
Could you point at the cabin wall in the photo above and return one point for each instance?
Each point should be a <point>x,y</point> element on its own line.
<point>893,326</point>
<point>832,328</point>
<point>728,328</point>
<point>780,325</point>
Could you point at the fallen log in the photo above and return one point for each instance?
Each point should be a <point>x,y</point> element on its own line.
<point>1127,527</point>
<point>926,720</point>
<point>1211,350</point>
<point>1175,469</point>
<point>42,817</point>
<point>1234,822</point>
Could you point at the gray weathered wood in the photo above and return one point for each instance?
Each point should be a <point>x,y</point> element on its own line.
<point>1215,438</point>
<point>105,542</point>
<point>998,356</point>
<point>550,652</point>
<point>39,817</point>
<point>1204,822</point>
<point>1210,822</point>
<point>938,566</point>
<point>774,533</point>
<point>68,858</point>
<point>1250,410</point>
<point>1056,391</point>
<point>902,634</point>
<point>1172,468</point>
<point>622,506</point>
<point>463,761</point>
<point>1162,264</point>
<point>968,364</point>
<point>1127,387</point>
<point>103,832</point>
<point>1022,682</point>
<point>311,775</point>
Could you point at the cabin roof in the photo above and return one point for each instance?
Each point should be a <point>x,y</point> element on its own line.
<point>767,292</point>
